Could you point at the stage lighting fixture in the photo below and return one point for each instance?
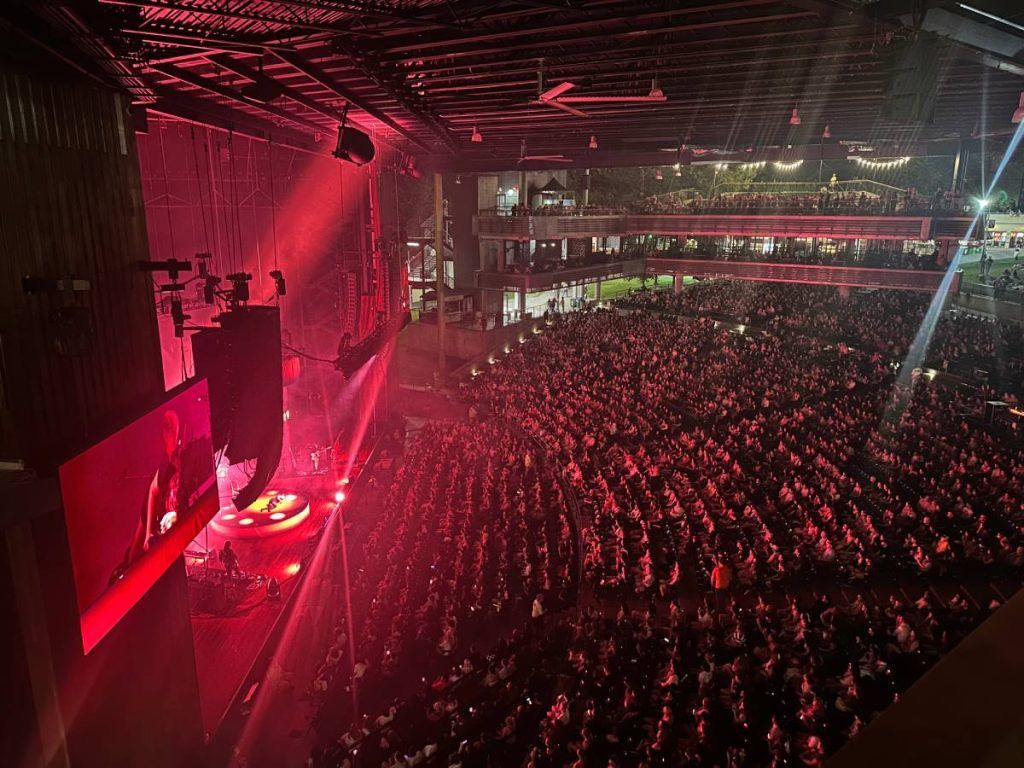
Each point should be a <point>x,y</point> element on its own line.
<point>593,142</point>
<point>1018,114</point>
<point>476,137</point>
<point>239,287</point>
<point>339,496</point>
<point>178,317</point>
<point>279,284</point>
<point>210,288</point>
<point>982,204</point>
<point>794,118</point>
<point>173,267</point>
<point>354,146</point>
<point>408,168</point>
<point>827,133</point>
<point>209,280</point>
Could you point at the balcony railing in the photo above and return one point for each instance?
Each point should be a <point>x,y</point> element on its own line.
<point>861,227</point>
<point>543,281</point>
<point>815,274</point>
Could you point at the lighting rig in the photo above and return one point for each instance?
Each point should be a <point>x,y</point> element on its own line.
<point>234,297</point>
<point>352,357</point>
<point>173,268</point>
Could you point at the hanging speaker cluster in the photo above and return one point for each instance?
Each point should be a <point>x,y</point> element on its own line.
<point>353,357</point>
<point>354,146</point>
<point>241,361</point>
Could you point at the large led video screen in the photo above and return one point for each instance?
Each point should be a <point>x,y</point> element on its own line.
<point>133,502</point>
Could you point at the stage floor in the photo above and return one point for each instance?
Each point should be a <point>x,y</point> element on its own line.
<point>227,645</point>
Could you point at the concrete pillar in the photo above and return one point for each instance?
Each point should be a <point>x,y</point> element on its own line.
<point>677,284</point>
<point>439,247</point>
<point>521,298</point>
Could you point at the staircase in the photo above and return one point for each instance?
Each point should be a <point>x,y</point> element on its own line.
<point>423,262</point>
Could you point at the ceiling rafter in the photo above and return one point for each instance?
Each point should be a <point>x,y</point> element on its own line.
<point>539,48</point>
<point>421,112</point>
<point>208,84</point>
<point>314,72</point>
<point>430,71</point>
<point>232,12</point>
<point>633,18</point>
<point>232,64</point>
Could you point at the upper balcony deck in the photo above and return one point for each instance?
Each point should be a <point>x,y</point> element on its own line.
<point>940,226</point>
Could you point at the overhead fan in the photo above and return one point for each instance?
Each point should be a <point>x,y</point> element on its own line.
<point>553,97</point>
<point>552,158</point>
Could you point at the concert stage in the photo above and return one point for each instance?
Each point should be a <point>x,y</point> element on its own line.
<point>231,630</point>
<point>233,618</point>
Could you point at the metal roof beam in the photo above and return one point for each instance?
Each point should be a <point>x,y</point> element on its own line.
<point>313,72</point>
<point>207,84</point>
<point>540,48</point>
<point>220,11</point>
<point>182,106</point>
<point>546,26</point>
<point>430,120</point>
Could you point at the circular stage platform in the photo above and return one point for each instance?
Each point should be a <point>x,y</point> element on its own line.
<point>273,512</point>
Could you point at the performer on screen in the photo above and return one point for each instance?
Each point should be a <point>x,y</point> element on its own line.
<point>182,469</point>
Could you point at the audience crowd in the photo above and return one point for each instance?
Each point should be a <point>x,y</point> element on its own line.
<point>474,528</point>
<point>830,199</point>
<point>759,468</point>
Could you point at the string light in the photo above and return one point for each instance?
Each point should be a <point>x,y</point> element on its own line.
<point>748,166</point>
<point>881,165</point>
<point>788,166</point>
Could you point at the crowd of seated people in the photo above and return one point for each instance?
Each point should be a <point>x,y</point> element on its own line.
<point>878,321</point>
<point>755,416</point>
<point>829,200</point>
<point>474,528</point>
<point>770,683</point>
<point>761,439</point>
<point>565,210</point>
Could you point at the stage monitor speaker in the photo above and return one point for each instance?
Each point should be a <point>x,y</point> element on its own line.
<point>912,82</point>
<point>354,146</point>
<point>241,361</point>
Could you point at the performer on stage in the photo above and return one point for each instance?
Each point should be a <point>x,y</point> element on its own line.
<point>229,560</point>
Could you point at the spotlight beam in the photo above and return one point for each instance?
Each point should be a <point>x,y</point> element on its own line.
<point>919,348</point>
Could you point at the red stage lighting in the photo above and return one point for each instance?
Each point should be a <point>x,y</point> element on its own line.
<point>339,496</point>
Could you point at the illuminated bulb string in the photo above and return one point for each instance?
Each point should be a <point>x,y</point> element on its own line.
<point>882,165</point>
<point>788,166</point>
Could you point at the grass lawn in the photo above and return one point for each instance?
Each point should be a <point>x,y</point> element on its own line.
<point>972,269</point>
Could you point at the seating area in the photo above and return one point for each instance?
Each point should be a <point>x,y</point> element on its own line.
<point>474,528</point>
<point>781,530</point>
<point>758,685</point>
<point>828,201</point>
